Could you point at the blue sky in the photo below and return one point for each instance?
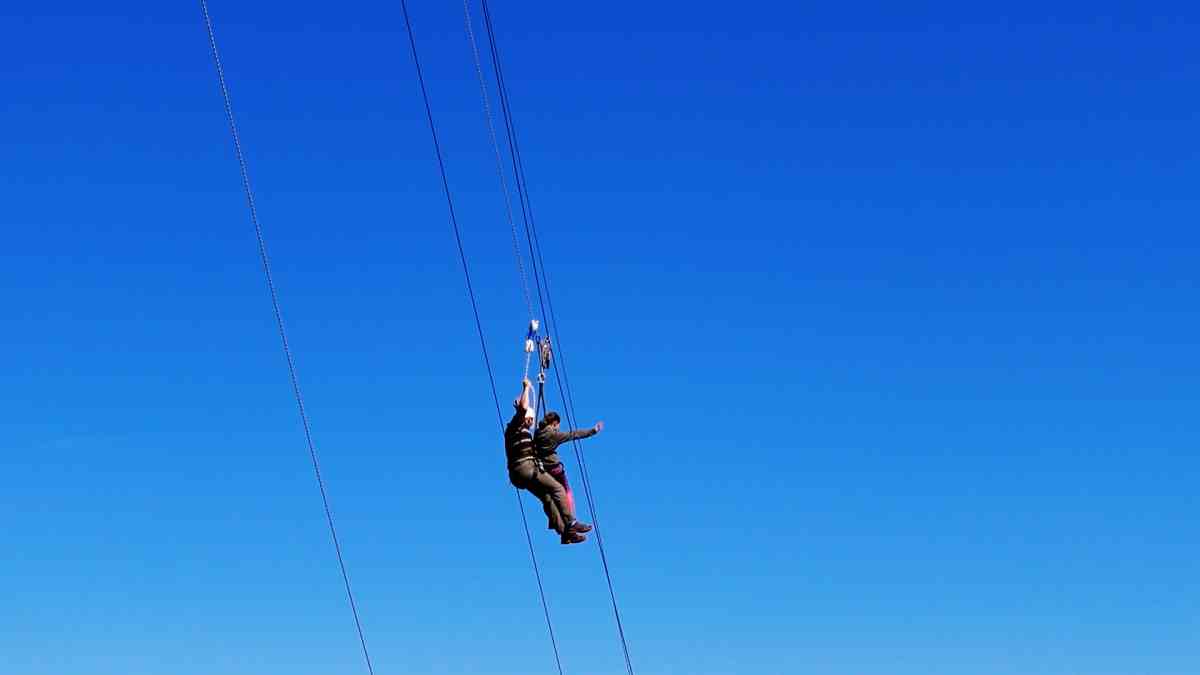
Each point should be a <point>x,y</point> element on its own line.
<point>890,313</point>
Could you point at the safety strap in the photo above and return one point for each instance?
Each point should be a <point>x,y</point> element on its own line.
<point>540,344</point>
<point>531,342</point>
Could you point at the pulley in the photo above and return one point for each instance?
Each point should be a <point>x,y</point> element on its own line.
<point>546,353</point>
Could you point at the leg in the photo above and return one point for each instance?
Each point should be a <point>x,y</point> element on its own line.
<point>527,477</point>
<point>553,516</point>
<point>557,496</point>
<point>559,472</point>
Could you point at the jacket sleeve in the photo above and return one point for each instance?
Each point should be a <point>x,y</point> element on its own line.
<point>577,433</point>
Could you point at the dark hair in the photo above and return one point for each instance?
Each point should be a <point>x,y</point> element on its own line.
<point>550,418</point>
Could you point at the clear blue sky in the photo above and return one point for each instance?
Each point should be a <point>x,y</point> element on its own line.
<point>890,310</point>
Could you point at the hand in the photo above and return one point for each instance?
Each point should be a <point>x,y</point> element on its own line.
<point>525,382</point>
<point>598,428</point>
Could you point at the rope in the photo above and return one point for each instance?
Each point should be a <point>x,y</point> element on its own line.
<point>475,310</point>
<point>538,266</point>
<point>287,352</point>
<point>508,211</point>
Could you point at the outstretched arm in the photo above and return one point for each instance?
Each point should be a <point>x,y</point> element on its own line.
<point>582,433</point>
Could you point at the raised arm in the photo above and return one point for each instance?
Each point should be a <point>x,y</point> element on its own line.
<point>522,402</point>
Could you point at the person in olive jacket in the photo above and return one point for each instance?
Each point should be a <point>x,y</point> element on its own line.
<point>545,444</point>
<point>525,472</point>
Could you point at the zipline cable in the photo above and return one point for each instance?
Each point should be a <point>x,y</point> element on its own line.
<point>437,147</point>
<point>538,265</point>
<point>287,352</point>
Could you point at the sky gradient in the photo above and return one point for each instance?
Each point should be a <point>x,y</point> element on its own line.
<point>889,312</point>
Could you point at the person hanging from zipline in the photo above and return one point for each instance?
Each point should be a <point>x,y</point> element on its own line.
<point>526,473</point>
<point>546,440</point>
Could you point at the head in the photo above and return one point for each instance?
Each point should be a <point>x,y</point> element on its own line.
<point>551,420</point>
<point>527,421</point>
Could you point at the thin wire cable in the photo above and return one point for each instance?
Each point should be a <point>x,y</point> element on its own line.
<point>291,362</point>
<point>510,135</point>
<point>540,279</point>
<point>475,310</point>
<point>500,173</point>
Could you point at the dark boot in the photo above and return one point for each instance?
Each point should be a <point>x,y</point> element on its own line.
<point>581,527</point>
<point>573,537</point>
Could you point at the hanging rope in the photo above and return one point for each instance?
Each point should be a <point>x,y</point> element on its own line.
<point>475,310</point>
<point>491,126</point>
<point>287,352</point>
<point>540,280</point>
